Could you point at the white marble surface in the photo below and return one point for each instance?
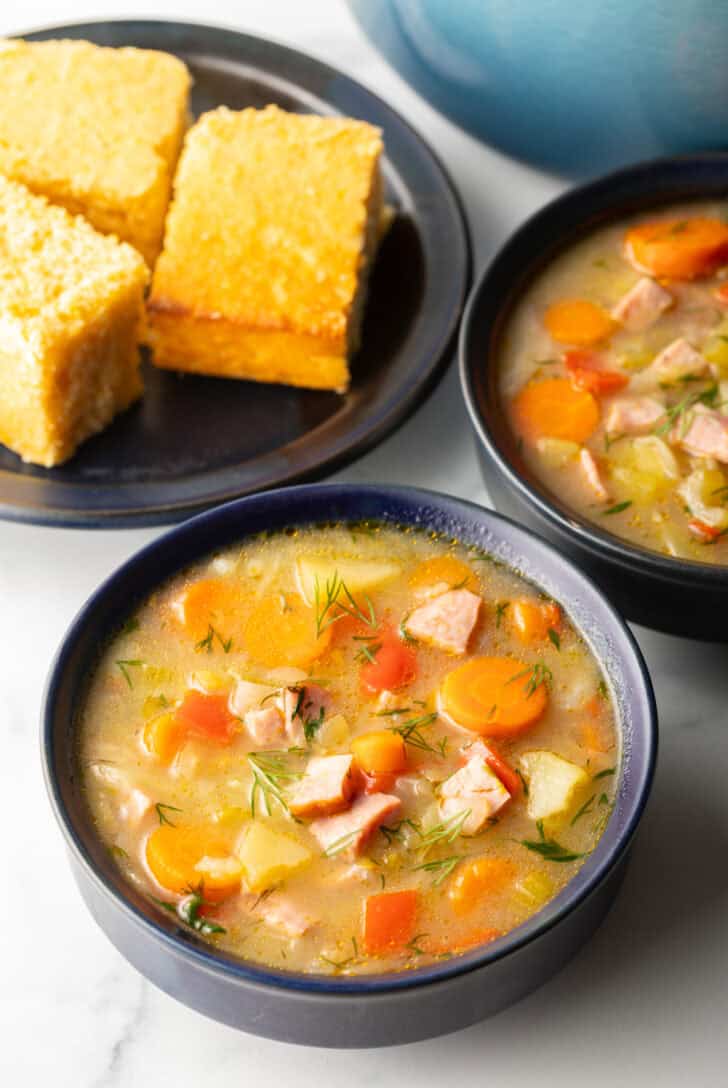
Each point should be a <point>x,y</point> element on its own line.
<point>643,1003</point>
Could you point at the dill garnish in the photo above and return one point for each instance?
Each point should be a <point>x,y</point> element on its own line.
<point>554,638</point>
<point>330,607</point>
<point>617,508</point>
<point>161,809</point>
<point>271,775</point>
<point>129,663</point>
<point>207,643</point>
<point>549,849</point>
<point>441,866</point>
<point>411,733</point>
<point>536,675</point>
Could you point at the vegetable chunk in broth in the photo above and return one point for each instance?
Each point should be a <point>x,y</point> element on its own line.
<point>614,373</point>
<point>349,749</point>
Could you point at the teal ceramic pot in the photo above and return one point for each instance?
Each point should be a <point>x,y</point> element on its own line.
<point>574,87</point>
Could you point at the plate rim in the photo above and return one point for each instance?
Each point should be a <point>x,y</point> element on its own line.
<point>409,395</point>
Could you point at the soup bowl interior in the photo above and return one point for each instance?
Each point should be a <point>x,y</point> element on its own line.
<point>670,594</point>
<point>339,1010</point>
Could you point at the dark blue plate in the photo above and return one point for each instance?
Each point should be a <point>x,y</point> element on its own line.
<point>192,442</point>
<point>368,1010</point>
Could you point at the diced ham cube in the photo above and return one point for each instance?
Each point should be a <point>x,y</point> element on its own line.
<point>325,788</point>
<point>447,621</point>
<point>642,305</point>
<point>283,913</point>
<point>135,806</point>
<point>247,696</point>
<point>633,415</point>
<point>706,434</point>
<point>266,727</point>
<point>348,833</point>
<point>302,705</point>
<point>678,360</point>
<point>474,789</point>
<point>593,475</point>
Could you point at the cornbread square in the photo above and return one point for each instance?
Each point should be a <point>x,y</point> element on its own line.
<point>273,224</point>
<point>96,130</point>
<point>71,303</point>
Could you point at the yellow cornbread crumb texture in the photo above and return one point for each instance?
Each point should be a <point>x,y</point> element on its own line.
<point>71,302</point>
<point>270,235</point>
<point>95,130</point>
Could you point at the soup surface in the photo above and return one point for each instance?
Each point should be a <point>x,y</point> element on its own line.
<point>349,749</point>
<point>614,370</point>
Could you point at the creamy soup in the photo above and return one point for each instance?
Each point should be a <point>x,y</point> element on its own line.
<point>614,371</point>
<point>349,749</point>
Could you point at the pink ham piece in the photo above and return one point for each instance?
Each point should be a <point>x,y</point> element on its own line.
<point>305,703</point>
<point>283,913</point>
<point>447,621</point>
<point>325,788</point>
<point>474,789</point>
<point>348,833</point>
<point>266,727</point>
<point>633,415</point>
<point>592,474</point>
<point>706,434</point>
<point>678,360</point>
<point>642,305</point>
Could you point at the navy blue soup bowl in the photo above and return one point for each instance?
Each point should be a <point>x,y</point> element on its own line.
<point>678,596</point>
<point>375,1010</point>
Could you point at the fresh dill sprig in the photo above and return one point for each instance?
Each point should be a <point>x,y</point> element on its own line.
<point>549,849</point>
<point>161,811</point>
<point>188,911</point>
<point>442,867</point>
<point>411,733</point>
<point>124,664</point>
<point>207,643</point>
<point>271,775</point>
<point>534,676</point>
<point>340,844</point>
<point>445,832</point>
<point>330,607</point>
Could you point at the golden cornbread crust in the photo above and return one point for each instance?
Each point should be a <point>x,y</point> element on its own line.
<point>71,303</point>
<point>95,130</point>
<point>267,247</point>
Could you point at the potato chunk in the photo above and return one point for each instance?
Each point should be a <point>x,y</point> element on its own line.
<point>269,856</point>
<point>553,784</point>
<point>358,575</point>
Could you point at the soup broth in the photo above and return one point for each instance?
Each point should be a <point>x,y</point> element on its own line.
<point>349,749</point>
<point>614,374</point>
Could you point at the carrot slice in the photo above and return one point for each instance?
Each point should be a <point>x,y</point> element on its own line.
<point>494,696</point>
<point>475,880</point>
<point>552,408</point>
<point>577,321</point>
<point>703,532</point>
<point>281,630</point>
<point>678,249</point>
<point>389,921</point>
<point>445,946</point>
<point>721,293</point>
<point>206,717</point>
<point>586,373</point>
<point>163,737</point>
<point>444,569</point>
<point>532,620</point>
<point>380,752</point>
<point>206,603</point>
<point>504,771</point>
<point>173,854</point>
<point>394,663</point>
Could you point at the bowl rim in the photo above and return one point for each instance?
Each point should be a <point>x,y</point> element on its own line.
<point>583,208</point>
<point>610,848</point>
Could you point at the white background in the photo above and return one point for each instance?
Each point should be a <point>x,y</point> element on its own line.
<point>644,1003</point>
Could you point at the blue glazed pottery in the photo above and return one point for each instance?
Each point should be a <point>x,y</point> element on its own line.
<point>679,596</point>
<point>372,1010</point>
<point>574,87</point>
